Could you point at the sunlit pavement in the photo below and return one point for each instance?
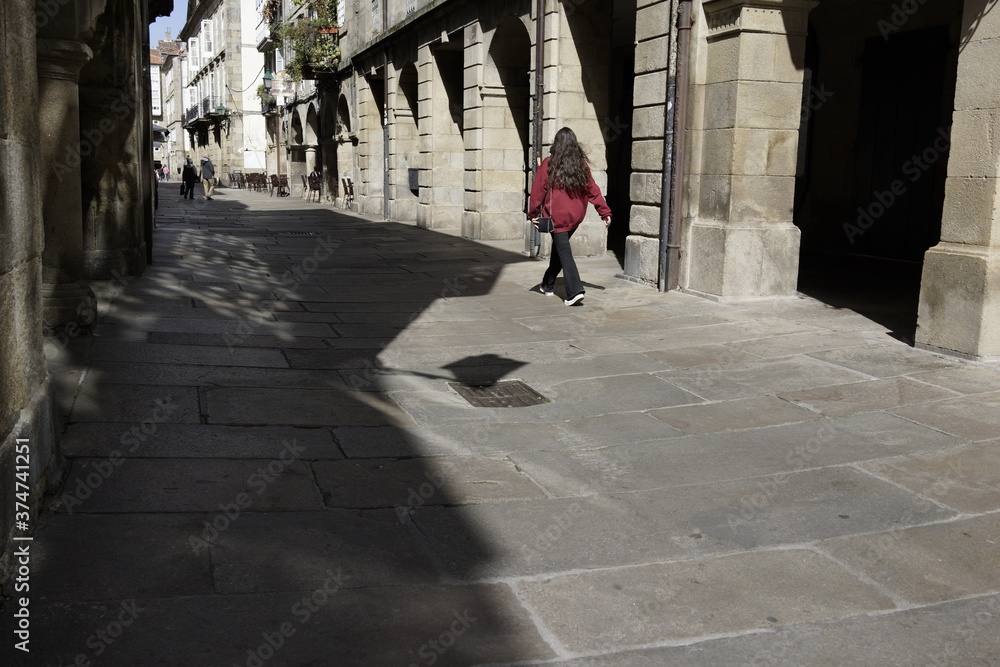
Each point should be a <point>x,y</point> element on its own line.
<point>268,464</point>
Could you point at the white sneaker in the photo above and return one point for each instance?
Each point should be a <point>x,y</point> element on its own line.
<point>574,299</point>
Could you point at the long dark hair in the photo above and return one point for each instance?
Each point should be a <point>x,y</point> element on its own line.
<point>568,168</point>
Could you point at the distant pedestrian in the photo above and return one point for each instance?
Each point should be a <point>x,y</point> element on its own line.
<point>189,176</point>
<point>208,176</point>
<point>166,173</point>
<point>562,189</point>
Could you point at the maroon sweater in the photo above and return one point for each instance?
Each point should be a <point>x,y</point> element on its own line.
<point>565,208</point>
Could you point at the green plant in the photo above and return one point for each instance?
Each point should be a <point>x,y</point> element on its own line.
<point>262,90</point>
<point>312,49</point>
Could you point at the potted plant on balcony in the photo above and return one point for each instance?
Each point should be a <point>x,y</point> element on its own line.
<point>313,41</point>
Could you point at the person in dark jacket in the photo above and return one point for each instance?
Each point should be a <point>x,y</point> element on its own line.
<point>189,176</point>
<point>208,176</point>
<point>562,189</point>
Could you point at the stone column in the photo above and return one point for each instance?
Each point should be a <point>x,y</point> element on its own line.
<point>742,243</point>
<point>960,290</point>
<point>59,65</point>
<point>311,163</point>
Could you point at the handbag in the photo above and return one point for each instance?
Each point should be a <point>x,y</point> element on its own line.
<point>183,188</point>
<point>545,224</point>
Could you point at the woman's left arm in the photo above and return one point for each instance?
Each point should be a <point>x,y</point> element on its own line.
<point>597,199</point>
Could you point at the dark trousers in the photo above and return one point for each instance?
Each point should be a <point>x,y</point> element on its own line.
<point>562,260</point>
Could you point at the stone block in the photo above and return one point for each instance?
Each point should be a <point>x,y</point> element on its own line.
<point>976,87</point>
<point>733,415</point>
<point>644,220</point>
<point>652,21</point>
<point>721,101</point>
<point>842,400</point>
<point>974,153</point>
<point>958,301</point>
<point>974,417</point>
<point>642,258</point>
<point>647,155</point>
<point>764,199</point>
<point>646,188</point>
<point>648,122</point>
<point>768,105</point>
<point>650,89</point>
<point>652,55</point>
<point>970,211</point>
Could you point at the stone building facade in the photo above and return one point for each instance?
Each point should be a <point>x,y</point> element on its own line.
<point>218,80</point>
<point>809,139</point>
<point>76,173</point>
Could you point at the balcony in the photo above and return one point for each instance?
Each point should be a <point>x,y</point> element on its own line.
<point>268,105</point>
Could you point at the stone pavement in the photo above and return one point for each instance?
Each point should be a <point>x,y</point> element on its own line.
<point>267,465</point>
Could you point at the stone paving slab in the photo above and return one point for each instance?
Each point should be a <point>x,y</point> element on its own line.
<point>848,399</point>
<point>187,485</point>
<point>188,375</point>
<point>452,480</point>
<point>532,538</point>
<point>702,355</point>
<point>975,417</point>
<point>963,379</point>
<point>574,398</point>
<point>188,354</point>
<point>753,378</point>
<point>306,407</point>
<point>965,478</point>
<point>392,625</point>
<point>128,547</point>
<point>704,459</point>
<point>195,441</point>
<point>239,340</point>
<point>259,553</point>
<point>782,346</point>
<point>928,564</point>
<point>966,632</point>
<point>675,601</point>
<point>733,415</point>
<point>214,326</point>
<point>501,438</point>
<point>99,401</point>
<point>885,360</point>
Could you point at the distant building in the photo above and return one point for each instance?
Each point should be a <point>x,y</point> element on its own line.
<point>221,115</point>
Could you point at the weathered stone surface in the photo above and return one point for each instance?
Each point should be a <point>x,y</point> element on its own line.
<point>966,478</point>
<point>733,415</point>
<point>95,440</point>
<point>927,564</point>
<point>847,399</point>
<point>188,354</point>
<point>718,457</point>
<point>884,360</point>
<point>109,557</point>
<point>291,551</point>
<point>975,417</point>
<point>678,601</point>
<point>151,404</point>
<point>318,407</point>
<point>530,538</point>
<point>453,480</point>
<point>188,485</point>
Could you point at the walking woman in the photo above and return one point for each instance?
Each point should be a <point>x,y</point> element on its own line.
<point>190,177</point>
<point>562,189</point>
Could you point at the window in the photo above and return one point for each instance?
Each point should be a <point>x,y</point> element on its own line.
<point>279,59</point>
<point>411,6</point>
<point>194,55</point>
<point>376,16</point>
<point>206,39</point>
<point>340,12</point>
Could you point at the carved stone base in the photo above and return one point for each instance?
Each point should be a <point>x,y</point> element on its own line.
<point>68,304</point>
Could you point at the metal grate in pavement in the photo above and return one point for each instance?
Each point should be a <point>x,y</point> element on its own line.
<point>507,394</point>
<point>295,233</point>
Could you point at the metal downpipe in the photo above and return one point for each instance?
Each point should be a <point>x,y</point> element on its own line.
<point>536,240</point>
<point>674,153</point>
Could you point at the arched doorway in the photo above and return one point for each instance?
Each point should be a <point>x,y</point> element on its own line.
<point>873,150</point>
<point>507,119</point>
<point>442,192</point>
<point>406,149</point>
<point>345,142</point>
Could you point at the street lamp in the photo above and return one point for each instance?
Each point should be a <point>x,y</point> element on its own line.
<point>268,79</point>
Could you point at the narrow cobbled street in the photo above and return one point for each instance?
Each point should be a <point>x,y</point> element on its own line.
<point>270,463</point>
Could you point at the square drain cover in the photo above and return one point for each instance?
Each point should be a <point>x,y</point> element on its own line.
<point>508,394</point>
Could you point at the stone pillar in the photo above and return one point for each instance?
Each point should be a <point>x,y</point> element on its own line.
<point>959,308</point>
<point>312,162</point>
<point>742,243</point>
<point>59,64</point>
